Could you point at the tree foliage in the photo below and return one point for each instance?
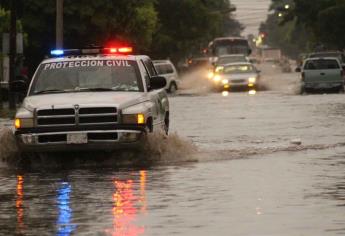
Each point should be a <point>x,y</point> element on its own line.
<point>314,25</point>
<point>164,28</point>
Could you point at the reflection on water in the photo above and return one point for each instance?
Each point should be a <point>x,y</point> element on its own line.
<point>65,213</point>
<point>225,93</point>
<point>127,206</point>
<point>252,92</point>
<point>19,204</point>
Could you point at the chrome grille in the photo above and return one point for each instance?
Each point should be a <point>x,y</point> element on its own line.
<point>75,117</point>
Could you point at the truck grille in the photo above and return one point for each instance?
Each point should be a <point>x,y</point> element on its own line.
<point>76,117</point>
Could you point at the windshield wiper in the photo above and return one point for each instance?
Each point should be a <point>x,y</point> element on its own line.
<point>50,91</point>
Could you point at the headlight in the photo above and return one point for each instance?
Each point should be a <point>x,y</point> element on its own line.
<point>225,81</point>
<point>216,78</point>
<point>210,75</point>
<point>20,123</point>
<point>133,118</point>
<point>252,80</point>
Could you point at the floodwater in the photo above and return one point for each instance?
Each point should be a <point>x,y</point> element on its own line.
<point>270,163</point>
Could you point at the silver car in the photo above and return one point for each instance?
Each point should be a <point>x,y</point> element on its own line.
<point>236,75</point>
<point>99,102</point>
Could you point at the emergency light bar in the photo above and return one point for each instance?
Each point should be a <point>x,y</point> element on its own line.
<point>91,51</point>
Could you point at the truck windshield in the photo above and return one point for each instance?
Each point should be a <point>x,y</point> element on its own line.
<point>87,75</point>
<point>321,65</point>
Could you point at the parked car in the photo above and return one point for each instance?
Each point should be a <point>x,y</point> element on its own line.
<point>167,69</point>
<point>321,73</point>
<point>237,75</point>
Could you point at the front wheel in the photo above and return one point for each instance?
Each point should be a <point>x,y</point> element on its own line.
<point>172,88</point>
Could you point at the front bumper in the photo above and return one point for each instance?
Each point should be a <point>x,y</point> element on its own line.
<point>236,84</point>
<point>82,140</point>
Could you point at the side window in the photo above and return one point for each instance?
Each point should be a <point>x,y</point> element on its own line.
<point>149,66</point>
<point>169,69</point>
<point>159,69</point>
<point>146,75</point>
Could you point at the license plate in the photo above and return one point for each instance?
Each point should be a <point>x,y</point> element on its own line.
<point>76,138</point>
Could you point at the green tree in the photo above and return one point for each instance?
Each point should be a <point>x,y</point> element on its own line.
<point>186,26</point>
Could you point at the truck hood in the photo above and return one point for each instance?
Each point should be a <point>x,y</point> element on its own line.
<point>117,99</point>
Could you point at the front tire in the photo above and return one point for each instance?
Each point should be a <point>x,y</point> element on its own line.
<point>172,88</point>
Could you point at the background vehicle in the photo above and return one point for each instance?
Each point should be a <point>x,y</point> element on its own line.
<point>167,69</point>
<point>237,75</point>
<point>322,73</point>
<point>229,45</point>
<point>269,54</point>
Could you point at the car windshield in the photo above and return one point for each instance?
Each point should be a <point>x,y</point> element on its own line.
<point>321,65</point>
<point>87,75</point>
<point>238,69</point>
<point>231,59</point>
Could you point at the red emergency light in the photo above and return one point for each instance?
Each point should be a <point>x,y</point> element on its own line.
<point>119,50</point>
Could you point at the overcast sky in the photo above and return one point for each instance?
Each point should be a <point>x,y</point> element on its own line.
<point>251,13</point>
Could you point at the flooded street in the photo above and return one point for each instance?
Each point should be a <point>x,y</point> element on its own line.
<point>272,163</point>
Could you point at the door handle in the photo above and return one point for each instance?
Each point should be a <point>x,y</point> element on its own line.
<point>322,73</point>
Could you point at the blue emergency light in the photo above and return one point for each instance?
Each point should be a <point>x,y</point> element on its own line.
<point>56,52</point>
<point>124,50</point>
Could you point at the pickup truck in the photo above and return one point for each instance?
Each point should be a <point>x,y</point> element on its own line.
<point>322,73</point>
<point>91,99</point>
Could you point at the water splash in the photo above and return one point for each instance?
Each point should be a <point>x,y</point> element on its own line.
<point>8,146</point>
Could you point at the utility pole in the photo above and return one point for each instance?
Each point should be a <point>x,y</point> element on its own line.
<point>59,24</point>
<point>13,53</point>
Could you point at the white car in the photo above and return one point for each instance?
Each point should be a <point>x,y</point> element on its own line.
<point>91,99</point>
<point>236,75</point>
<point>167,69</point>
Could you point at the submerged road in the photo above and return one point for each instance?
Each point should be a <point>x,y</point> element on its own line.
<point>272,163</point>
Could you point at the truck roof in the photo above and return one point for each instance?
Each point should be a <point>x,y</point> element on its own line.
<point>93,57</point>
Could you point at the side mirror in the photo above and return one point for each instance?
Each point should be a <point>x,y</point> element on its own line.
<point>249,51</point>
<point>158,82</point>
<point>19,85</point>
<point>298,69</point>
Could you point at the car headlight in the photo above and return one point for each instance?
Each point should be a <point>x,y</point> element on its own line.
<point>210,75</point>
<point>217,78</point>
<point>252,80</point>
<point>133,119</point>
<point>225,81</point>
<point>20,123</point>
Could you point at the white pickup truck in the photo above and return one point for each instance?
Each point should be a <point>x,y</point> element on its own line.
<point>91,99</point>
